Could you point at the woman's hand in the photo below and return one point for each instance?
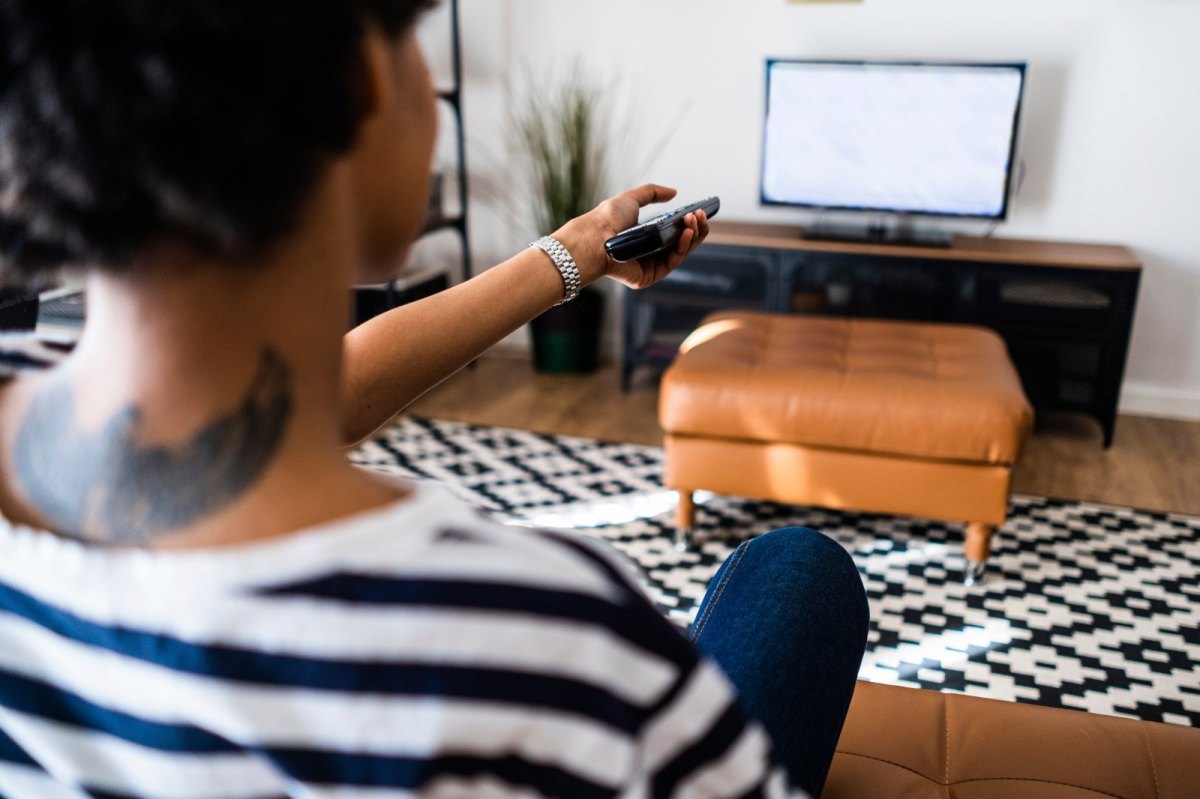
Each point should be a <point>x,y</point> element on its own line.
<point>584,238</point>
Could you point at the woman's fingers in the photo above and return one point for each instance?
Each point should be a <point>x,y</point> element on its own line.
<point>694,232</point>
<point>689,239</point>
<point>649,193</point>
<point>689,232</point>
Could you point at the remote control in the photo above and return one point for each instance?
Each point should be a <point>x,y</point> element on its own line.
<point>656,234</point>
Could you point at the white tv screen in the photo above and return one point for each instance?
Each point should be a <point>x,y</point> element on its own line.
<point>915,138</point>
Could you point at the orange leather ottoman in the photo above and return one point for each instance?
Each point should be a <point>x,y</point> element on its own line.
<point>906,742</point>
<point>891,417</point>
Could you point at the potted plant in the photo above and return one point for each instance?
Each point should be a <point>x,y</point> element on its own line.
<point>564,152</point>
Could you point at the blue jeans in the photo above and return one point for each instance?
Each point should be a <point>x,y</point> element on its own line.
<point>786,618</point>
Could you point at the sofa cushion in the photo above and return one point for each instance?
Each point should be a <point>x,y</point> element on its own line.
<point>906,742</point>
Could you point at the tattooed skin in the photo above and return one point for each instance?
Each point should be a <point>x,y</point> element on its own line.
<point>107,486</point>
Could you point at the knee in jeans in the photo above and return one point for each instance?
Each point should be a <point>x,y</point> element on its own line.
<point>800,544</point>
<point>818,554</point>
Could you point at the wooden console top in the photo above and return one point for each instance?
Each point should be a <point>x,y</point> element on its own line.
<point>964,248</point>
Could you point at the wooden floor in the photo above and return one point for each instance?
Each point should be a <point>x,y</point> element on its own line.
<point>1153,463</point>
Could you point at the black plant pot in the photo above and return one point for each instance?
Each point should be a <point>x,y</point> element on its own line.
<point>566,338</point>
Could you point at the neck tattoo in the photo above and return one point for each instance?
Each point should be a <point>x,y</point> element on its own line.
<point>105,486</point>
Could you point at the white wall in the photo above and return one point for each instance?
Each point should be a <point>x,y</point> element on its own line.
<point>1111,143</point>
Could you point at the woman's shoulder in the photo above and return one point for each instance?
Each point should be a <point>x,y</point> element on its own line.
<point>25,351</point>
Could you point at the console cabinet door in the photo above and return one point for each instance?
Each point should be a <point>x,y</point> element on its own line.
<point>659,318</point>
<point>879,288</point>
<point>718,277</point>
<point>1067,331</point>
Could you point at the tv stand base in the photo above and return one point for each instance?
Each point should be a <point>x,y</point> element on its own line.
<point>879,234</point>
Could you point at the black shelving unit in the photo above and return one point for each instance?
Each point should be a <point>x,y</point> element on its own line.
<point>370,301</point>
<point>453,98</point>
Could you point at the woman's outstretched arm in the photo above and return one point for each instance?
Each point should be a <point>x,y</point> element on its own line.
<point>398,356</point>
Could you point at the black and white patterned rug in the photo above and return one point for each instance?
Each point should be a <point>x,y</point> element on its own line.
<point>1085,606</point>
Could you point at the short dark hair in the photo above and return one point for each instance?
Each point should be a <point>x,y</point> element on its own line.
<point>128,122</point>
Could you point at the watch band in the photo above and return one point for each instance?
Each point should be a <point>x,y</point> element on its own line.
<point>572,282</point>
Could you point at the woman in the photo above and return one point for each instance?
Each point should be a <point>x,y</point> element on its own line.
<point>199,596</point>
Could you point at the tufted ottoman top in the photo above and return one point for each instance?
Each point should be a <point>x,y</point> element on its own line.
<point>924,390</point>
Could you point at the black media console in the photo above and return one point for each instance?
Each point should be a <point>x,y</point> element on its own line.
<point>1065,310</point>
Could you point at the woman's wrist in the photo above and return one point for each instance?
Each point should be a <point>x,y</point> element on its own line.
<point>537,268</point>
<point>567,269</point>
<point>584,240</point>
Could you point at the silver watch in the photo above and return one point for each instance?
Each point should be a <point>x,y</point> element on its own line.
<point>572,282</point>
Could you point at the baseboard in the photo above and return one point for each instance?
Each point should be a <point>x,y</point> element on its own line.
<point>1139,399</point>
<point>512,348</point>
<point>1144,399</point>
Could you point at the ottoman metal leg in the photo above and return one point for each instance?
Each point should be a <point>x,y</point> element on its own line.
<point>685,520</point>
<point>977,548</point>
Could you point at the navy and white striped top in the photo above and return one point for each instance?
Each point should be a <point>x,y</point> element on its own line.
<point>418,650</point>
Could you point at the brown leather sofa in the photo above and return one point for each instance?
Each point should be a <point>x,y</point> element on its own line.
<point>913,744</point>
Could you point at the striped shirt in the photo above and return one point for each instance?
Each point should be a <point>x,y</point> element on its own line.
<point>417,650</point>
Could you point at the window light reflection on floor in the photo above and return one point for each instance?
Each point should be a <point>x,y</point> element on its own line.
<point>602,513</point>
<point>950,649</point>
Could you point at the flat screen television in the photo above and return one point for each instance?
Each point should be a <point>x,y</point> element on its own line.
<point>933,139</point>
